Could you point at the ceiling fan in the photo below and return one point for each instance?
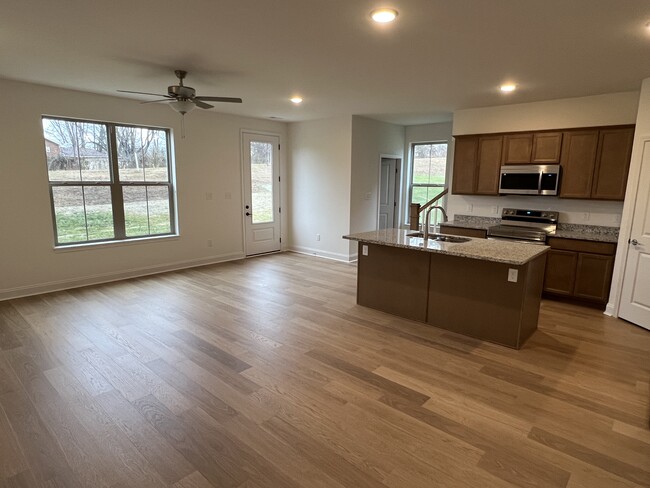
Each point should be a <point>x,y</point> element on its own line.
<point>183,98</point>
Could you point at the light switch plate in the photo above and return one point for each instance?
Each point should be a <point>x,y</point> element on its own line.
<point>364,250</point>
<point>513,275</point>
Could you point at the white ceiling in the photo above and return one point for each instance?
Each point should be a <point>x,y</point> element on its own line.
<point>439,56</point>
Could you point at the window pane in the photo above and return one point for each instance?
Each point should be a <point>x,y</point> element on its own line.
<point>146,210</point>
<point>159,217</point>
<point>262,182</point>
<point>135,211</point>
<point>422,194</point>
<point>99,212</point>
<point>69,213</point>
<point>142,154</point>
<point>429,163</point>
<point>76,151</point>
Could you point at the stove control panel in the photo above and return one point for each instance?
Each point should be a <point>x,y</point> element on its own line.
<point>524,215</point>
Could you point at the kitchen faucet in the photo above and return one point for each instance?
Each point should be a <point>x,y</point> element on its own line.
<point>427,219</point>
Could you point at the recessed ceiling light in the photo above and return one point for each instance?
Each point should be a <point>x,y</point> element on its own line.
<point>296,100</point>
<point>508,87</point>
<point>383,15</point>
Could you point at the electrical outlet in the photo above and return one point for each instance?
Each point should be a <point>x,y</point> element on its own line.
<point>617,219</point>
<point>513,275</point>
<point>364,250</point>
<point>209,242</point>
<point>228,196</point>
<point>318,237</point>
<point>208,196</point>
<point>495,210</point>
<point>470,208</point>
<point>585,216</point>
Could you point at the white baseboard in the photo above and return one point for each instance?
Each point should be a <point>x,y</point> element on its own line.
<point>51,286</point>
<point>610,310</point>
<point>320,253</point>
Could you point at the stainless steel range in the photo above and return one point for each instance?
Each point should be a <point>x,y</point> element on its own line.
<point>521,225</point>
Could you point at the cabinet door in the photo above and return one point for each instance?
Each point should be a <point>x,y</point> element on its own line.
<point>546,148</point>
<point>612,163</point>
<point>578,160</point>
<point>593,276</point>
<point>517,148</point>
<point>489,163</point>
<point>560,274</point>
<point>464,171</point>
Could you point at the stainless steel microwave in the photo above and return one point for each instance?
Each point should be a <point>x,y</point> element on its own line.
<point>529,179</point>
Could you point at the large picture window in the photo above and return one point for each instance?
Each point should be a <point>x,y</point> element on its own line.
<point>108,182</point>
<point>428,170</point>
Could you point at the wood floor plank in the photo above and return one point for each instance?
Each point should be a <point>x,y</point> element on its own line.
<point>203,378</point>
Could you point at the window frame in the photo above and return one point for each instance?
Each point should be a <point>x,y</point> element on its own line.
<point>411,167</point>
<point>115,187</point>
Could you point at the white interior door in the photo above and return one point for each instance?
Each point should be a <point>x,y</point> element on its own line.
<point>261,160</point>
<point>635,296</point>
<point>387,197</point>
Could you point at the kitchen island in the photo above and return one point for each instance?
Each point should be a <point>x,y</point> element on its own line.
<point>486,289</point>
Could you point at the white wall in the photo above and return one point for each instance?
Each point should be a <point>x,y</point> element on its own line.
<point>425,133</point>
<point>207,161</point>
<point>319,186</point>
<point>611,109</point>
<point>370,139</point>
<point>641,134</point>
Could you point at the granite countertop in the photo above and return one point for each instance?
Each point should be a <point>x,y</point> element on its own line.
<point>487,250</point>
<point>583,232</point>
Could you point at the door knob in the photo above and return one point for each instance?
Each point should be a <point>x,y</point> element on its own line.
<point>634,242</point>
<point>248,214</point>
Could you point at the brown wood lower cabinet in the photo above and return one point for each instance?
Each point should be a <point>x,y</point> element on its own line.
<point>579,269</point>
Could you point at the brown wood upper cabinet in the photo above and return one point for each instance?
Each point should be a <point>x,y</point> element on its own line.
<point>532,147</point>
<point>477,160</point>
<point>595,163</point>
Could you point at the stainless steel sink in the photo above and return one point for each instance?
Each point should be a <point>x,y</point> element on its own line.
<point>440,237</point>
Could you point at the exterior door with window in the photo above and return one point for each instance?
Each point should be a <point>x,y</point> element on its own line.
<point>261,159</point>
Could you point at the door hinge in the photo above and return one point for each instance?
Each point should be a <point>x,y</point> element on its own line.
<point>278,147</point>
<point>280,239</point>
<point>280,210</point>
<point>279,178</point>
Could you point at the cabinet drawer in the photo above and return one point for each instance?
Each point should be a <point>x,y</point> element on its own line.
<point>606,248</point>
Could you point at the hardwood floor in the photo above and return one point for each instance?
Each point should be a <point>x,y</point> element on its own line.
<point>265,373</point>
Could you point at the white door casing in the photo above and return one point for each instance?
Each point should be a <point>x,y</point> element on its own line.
<point>261,178</point>
<point>635,293</point>
<point>387,193</point>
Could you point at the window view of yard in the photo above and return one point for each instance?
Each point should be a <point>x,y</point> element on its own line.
<point>82,175</point>
<point>262,182</point>
<point>428,175</point>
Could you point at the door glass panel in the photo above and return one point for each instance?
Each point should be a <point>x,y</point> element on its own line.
<point>261,182</point>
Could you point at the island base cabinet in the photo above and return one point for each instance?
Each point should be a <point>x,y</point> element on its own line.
<point>393,280</point>
<point>481,299</point>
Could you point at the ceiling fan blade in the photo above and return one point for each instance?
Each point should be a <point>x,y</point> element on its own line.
<point>144,93</point>
<point>220,99</point>
<point>201,104</point>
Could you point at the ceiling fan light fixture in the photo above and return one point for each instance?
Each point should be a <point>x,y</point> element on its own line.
<point>383,15</point>
<point>182,106</point>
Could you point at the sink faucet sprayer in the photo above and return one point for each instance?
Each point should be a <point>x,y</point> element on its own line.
<point>427,219</point>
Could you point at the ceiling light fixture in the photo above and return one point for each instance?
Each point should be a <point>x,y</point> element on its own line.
<point>383,15</point>
<point>296,100</point>
<point>508,87</point>
<point>182,106</point>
